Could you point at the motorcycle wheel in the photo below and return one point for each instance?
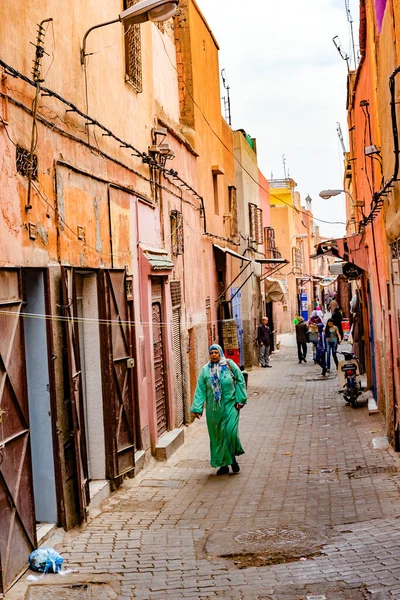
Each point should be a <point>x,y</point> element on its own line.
<point>353,397</point>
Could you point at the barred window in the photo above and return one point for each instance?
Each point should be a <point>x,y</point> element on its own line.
<point>297,261</point>
<point>256,227</point>
<point>233,211</point>
<point>133,52</point>
<point>177,233</point>
<point>176,293</point>
<point>26,162</point>
<point>270,248</point>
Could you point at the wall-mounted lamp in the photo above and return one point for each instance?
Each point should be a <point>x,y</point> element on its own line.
<point>157,11</point>
<point>326,194</point>
<point>299,236</point>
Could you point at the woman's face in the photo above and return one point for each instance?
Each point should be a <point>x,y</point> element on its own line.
<point>214,356</point>
<point>330,323</point>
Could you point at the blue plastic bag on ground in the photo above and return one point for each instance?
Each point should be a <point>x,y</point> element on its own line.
<point>45,560</point>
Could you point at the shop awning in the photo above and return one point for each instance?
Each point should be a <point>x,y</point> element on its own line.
<point>274,290</point>
<point>272,261</point>
<point>232,253</point>
<point>351,249</point>
<point>159,261</point>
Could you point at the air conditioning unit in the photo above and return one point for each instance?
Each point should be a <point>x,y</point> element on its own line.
<point>336,268</point>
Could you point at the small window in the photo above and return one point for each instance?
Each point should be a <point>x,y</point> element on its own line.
<point>256,224</point>
<point>297,258</point>
<point>177,243</point>
<point>252,221</point>
<point>26,162</point>
<point>216,197</point>
<point>133,53</point>
<point>233,211</point>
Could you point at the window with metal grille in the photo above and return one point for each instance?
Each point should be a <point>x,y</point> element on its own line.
<point>133,53</point>
<point>252,221</point>
<point>259,227</point>
<point>297,258</point>
<point>177,232</point>
<point>233,211</point>
<point>395,249</point>
<point>26,162</point>
<point>270,248</point>
<point>176,293</point>
<point>256,227</point>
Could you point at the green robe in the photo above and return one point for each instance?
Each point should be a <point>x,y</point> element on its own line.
<point>223,417</point>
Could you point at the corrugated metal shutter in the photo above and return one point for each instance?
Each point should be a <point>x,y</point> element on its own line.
<point>179,396</point>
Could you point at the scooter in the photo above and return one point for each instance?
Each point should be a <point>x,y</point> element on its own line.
<point>349,370</point>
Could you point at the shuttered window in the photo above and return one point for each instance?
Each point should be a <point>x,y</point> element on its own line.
<point>177,243</point>
<point>133,53</point>
<point>256,226</point>
<point>233,211</point>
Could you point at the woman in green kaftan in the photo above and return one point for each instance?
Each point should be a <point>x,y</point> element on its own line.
<point>221,386</point>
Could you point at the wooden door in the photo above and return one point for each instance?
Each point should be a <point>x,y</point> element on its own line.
<point>73,387</point>
<point>17,513</point>
<point>118,368</point>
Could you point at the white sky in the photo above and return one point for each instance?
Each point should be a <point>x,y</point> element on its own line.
<point>288,88</point>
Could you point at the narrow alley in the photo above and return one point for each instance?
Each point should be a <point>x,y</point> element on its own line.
<point>313,514</point>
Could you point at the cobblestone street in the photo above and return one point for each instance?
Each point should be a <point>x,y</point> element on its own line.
<point>314,512</point>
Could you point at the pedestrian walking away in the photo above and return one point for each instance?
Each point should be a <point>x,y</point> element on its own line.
<point>264,342</point>
<point>337,318</point>
<point>333,338</point>
<point>302,339</point>
<point>321,349</point>
<point>222,388</point>
<point>313,323</point>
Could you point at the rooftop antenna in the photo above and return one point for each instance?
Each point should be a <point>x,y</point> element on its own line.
<point>340,136</point>
<point>284,165</point>
<point>226,99</point>
<point>342,53</point>
<point>350,20</point>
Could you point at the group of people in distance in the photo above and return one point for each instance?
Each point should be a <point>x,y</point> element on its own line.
<point>324,337</point>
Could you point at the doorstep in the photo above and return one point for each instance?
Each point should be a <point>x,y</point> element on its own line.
<point>372,406</point>
<point>169,443</point>
<point>99,490</point>
<point>140,456</point>
<point>44,531</point>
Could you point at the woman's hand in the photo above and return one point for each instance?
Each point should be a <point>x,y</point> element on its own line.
<point>238,406</point>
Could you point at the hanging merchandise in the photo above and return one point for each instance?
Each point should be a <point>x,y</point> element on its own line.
<point>274,290</point>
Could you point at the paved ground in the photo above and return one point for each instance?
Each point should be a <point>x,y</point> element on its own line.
<point>314,513</point>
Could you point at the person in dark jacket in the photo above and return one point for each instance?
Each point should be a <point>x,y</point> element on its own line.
<point>301,339</point>
<point>337,318</point>
<point>321,349</point>
<point>264,342</point>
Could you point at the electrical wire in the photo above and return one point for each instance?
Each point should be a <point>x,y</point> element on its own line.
<point>90,320</point>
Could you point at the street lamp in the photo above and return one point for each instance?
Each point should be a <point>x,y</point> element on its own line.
<point>326,194</point>
<point>157,11</point>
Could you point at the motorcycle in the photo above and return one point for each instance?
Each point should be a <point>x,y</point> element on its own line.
<point>349,373</point>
